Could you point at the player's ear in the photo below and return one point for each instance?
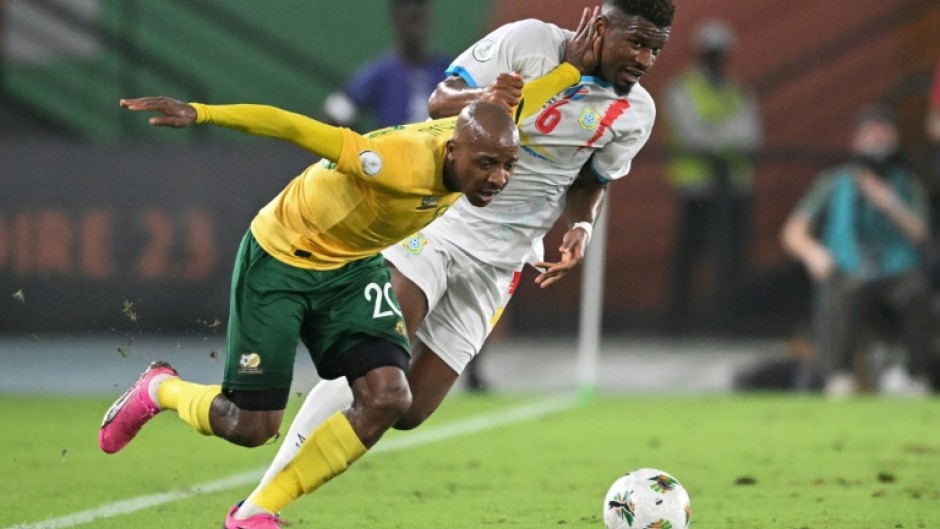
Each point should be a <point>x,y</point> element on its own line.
<point>449,149</point>
<point>600,25</point>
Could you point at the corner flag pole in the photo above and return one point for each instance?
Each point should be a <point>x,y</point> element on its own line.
<point>592,307</point>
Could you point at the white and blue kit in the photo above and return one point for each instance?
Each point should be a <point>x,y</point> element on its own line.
<point>467,261</point>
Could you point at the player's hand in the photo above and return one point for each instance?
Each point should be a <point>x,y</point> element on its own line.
<point>583,49</point>
<point>505,91</point>
<point>572,249</point>
<point>174,113</point>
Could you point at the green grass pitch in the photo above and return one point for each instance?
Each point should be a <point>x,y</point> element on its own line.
<point>748,462</point>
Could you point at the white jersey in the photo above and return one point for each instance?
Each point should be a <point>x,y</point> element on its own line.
<point>587,123</point>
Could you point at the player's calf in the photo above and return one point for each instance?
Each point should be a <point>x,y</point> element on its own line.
<point>377,370</point>
<point>248,418</point>
<point>380,398</point>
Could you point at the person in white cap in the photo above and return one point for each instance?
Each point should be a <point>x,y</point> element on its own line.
<point>714,131</point>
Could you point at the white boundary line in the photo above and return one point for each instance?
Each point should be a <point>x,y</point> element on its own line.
<point>422,437</point>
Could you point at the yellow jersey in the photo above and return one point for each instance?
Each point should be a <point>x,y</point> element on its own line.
<point>370,191</point>
<point>384,187</point>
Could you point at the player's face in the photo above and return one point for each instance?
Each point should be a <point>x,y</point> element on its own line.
<point>482,168</point>
<point>629,48</point>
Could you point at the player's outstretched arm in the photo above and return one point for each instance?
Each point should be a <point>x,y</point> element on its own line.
<point>260,120</point>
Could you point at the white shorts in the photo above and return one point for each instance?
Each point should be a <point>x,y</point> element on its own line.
<point>465,296</point>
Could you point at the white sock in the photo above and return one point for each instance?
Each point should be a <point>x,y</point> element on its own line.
<point>247,510</point>
<point>154,387</point>
<point>326,398</point>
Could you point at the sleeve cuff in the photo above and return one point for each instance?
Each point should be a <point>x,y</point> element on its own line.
<point>202,112</point>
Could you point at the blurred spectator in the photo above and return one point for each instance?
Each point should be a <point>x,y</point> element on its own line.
<point>395,87</point>
<point>714,129</point>
<point>858,232</point>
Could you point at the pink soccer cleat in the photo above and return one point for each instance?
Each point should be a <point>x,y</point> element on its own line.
<point>258,521</point>
<point>132,410</point>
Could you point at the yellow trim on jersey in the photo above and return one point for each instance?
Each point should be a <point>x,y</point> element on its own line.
<point>538,91</point>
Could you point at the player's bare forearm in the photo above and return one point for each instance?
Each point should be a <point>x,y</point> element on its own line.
<point>582,204</point>
<point>584,198</point>
<point>453,94</point>
<point>450,96</point>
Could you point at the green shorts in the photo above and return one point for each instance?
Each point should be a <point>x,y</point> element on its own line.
<point>273,304</point>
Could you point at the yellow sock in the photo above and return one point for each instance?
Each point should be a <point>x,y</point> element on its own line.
<point>329,451</point>
<point>191,401</point>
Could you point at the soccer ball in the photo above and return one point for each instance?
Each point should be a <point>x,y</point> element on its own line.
<point>647,499</point>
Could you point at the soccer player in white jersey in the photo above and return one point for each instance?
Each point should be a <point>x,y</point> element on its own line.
<point>454,278</point>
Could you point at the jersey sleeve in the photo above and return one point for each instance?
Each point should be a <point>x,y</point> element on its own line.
<point>614,160</point>
<point>528,47</point>
<point>390,161</point>
<point>261,120</point>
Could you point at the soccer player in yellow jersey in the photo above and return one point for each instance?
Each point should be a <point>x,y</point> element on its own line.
<point>309,268</point>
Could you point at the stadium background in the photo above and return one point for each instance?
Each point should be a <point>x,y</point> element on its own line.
<point>116,245</point>
<point>97,210</point>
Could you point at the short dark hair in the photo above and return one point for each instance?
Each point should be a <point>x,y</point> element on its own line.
<point>659,12</point>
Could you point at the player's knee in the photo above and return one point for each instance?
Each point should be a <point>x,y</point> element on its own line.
<point>392,400</point>
<point>249,419</point>
<point>378,368</point>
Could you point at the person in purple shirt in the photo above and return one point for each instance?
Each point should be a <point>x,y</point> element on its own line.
<point>395,87</point>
